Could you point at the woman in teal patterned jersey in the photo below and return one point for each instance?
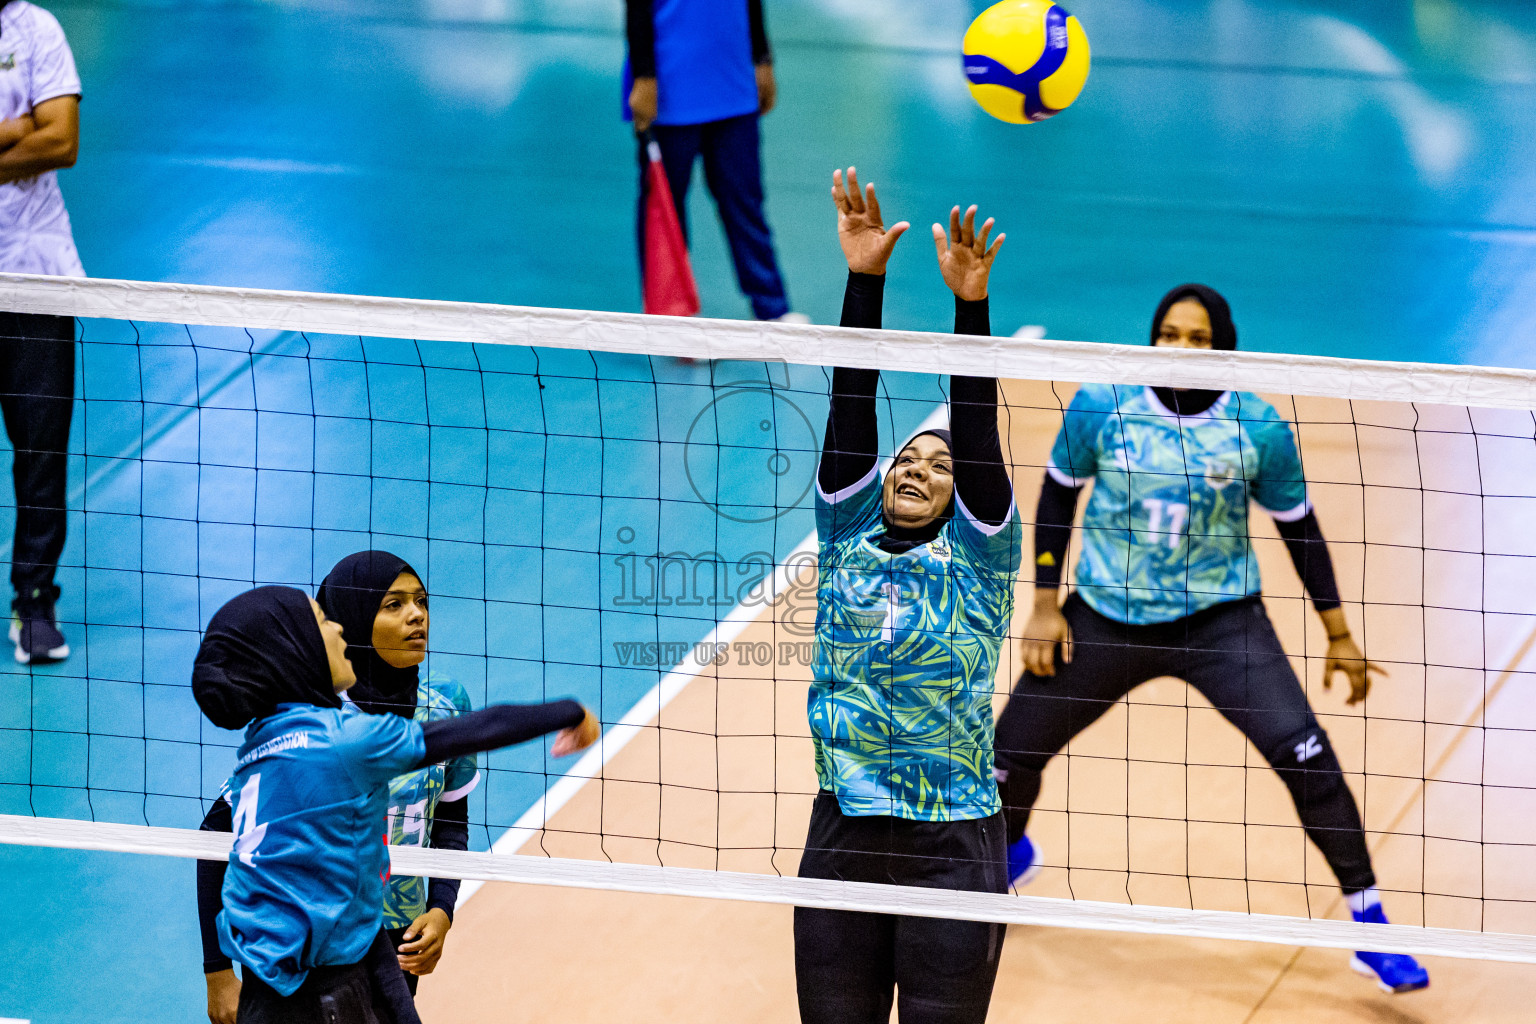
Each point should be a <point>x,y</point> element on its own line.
<point>914,595</point>
<point>382,605</point>
<point>1168,585</point>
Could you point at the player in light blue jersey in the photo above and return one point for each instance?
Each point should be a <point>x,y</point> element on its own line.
<point>304,888</point>
<point>1168,585</point>
<point>380,600</point>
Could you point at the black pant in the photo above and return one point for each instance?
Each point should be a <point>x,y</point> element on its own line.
<point>847,962</point>
<point>733,171</point>
<point>368,992</point>
<point>396,937</point>
<point>37,390</point>
<point>1230,653</point>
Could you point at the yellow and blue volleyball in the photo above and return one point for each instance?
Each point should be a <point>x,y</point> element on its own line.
<point>1026,60</point>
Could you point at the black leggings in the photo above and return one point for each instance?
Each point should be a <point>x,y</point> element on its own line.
<point>1230,653</point>
<point>371,991</point>
<point>849,963</point>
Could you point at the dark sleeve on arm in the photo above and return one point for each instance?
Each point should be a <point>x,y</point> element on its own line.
<point>1309,553</point>
<point>1053,529</point>
<point>981,480</point>
<point>500,725</point>
<point>761,54</point>
<point>210,889</point>
<point>640,30</point>
<point>450,831</point>
<point>850,448</point>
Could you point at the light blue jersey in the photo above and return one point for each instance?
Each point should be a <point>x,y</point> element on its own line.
<point>906,658</point>
<point>306,875</point>
<point>1165,533</point>
<point>414,796</point>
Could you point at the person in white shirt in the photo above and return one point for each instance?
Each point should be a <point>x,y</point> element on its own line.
<point>39,133</point>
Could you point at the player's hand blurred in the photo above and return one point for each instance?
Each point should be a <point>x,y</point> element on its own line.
<point>964,259</point>
<point>866,242</point>
<point>1344,655</point>
<point>1046,628</point>
<point>577,737</point>
<point>767,88</point>
<point>422,944</point>
<point>223,996</point>
<point>642,103</point>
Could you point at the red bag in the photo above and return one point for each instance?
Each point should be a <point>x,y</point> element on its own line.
<point>669,286</point>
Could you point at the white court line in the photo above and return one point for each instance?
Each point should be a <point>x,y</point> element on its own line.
<point>648,708</point>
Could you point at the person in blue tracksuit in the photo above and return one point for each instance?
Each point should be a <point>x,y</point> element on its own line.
<point>304,890</point>
<point>698,78</point>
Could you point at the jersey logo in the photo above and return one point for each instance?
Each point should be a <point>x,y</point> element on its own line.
<point>1219,473</point>
<point>8,62</point>
<point>1309,749</point>
<point>1046,559</point>
<point>940,550</point>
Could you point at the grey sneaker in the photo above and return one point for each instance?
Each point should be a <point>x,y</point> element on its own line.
<point>35,630</point>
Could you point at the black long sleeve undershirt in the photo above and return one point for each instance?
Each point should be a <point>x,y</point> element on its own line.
<point>850,448</point>
<point>1309,554</point>
<point>1303,541</point>
<point>981,481</point>
<point>450,831</point>
<point>640,32</point>
<point>210,889</point>
<point>500,725</point>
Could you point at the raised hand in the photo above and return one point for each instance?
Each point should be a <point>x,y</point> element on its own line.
<point>866,241</point>
<point>964,259</point>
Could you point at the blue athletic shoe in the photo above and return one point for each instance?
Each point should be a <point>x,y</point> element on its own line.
<point>1394,972</point>
<point>1023,863</point>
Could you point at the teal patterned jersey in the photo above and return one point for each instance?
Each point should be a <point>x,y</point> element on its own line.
<point>906,656</point>
<point>414,796</point>
<point>1165,533</point>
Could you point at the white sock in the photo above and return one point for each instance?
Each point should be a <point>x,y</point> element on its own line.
<point>1365,899</point>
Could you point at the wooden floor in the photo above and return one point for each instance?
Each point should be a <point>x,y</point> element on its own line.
<point>1161,802</point>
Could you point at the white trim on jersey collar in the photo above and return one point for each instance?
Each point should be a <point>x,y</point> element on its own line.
<point>1204,414</point>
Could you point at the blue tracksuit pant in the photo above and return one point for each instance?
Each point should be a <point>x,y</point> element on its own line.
<point>733,171</point>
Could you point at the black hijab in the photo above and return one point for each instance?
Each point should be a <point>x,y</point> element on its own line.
<point>351,595</point>
<point>897,539</point>
<point>261,649</point>
<point>1192,401</point>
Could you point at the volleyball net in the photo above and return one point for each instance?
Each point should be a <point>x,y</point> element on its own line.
<point>618,508</point>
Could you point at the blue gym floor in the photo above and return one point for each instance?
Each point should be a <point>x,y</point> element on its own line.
<point>1355,176</point>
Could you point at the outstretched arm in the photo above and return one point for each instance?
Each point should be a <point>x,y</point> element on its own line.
<point>981,479</point>
<point>850,448</point>
<point>504,725</point>
<point>1309,553</point>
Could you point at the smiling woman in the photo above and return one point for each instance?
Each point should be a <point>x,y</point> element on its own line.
<point>914,595</point>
